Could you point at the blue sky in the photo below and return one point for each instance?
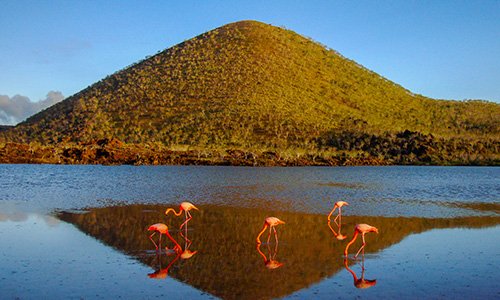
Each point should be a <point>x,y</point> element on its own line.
<point>441,49</point>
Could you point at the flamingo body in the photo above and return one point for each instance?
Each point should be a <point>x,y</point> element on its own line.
<point>270,222</point>
<point>338,205</point>
<point>360,229</point>
<point>161,229</point>
<point>184,207</point>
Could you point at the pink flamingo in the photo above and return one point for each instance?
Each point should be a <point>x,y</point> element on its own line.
<point>270,222</point>
<point>186,207</point>
<point>338,205</point>
<point>363,229</point>
<point>162,229</point>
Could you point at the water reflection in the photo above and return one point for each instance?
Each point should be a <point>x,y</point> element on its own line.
<point>186,253</point>
<point>19,216</point>
<point>162,273</point>
<point>360,283</point>
<point>337,234</point>
<point>226,265</point>
<point>270,261</point>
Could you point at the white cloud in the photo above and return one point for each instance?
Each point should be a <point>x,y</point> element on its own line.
<point>18,108</point>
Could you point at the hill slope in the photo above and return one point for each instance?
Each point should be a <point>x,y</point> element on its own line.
<point>250,85</point>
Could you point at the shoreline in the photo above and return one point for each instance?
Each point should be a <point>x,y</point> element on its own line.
<point>114,152</point>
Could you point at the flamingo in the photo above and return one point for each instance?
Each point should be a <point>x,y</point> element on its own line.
<point>270,263</point>
<point>186,207</point>
<point>270,222</point>
<point>338,205</point>
<point>363,229</point>
<point>360,283</point>
<point>162,229</point>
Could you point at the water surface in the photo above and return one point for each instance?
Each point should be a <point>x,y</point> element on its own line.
<point>60,223</point>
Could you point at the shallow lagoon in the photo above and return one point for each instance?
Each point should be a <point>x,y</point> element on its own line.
<point>80,231</point>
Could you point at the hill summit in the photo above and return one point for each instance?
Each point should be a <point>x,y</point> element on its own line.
<point>248,85</point>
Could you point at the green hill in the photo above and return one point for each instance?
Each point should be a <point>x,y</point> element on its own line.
<point>253,86</point>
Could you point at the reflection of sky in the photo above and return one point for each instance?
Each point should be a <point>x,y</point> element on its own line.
<point>389,191</point>
<point>442,263</point>
<point>39,260</point>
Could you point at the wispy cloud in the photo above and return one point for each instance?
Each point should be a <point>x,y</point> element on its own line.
<point>17,108</point>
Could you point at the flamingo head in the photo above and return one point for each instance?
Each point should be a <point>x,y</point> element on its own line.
<point>341,237</point>
<point>187,254</point>
<point>365,283</point>
<point>273,264</point>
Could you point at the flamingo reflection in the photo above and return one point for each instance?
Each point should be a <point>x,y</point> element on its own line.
<point>363,229</point>
<point>270,222</point>
<point>162,229</point>
<point>360,283</point>
<point>271,262</point>
<point>186,253</point>
<point>186,207</point>
<point>338,205</point>
<point>339,236</point>
<point>162,273</point>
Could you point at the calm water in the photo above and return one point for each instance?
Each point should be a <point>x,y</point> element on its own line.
<point>80,231</point>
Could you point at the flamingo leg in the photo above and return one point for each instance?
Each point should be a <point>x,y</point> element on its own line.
<point>275,251</point>
<point>269,236</point>
<point>362,246</point>
<point>187,219</point>
<point>331,214</point>
<point>339,216</point>
<point>185,235</point>
<point>275,235</point>
<point>151,238</point>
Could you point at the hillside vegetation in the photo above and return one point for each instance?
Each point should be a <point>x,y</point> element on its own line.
<point>254,87</point>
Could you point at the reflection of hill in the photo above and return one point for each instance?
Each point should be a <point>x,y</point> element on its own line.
<point>228,265</point>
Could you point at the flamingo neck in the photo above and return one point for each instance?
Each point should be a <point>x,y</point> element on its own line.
<point>262,231</point>
<point>351,242</point>
<point>173,210</point>
<point>332,230</point>
<point>354,277</point>
<point>261,253</point>
<point>173,240</point>
<point>334,208</point>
